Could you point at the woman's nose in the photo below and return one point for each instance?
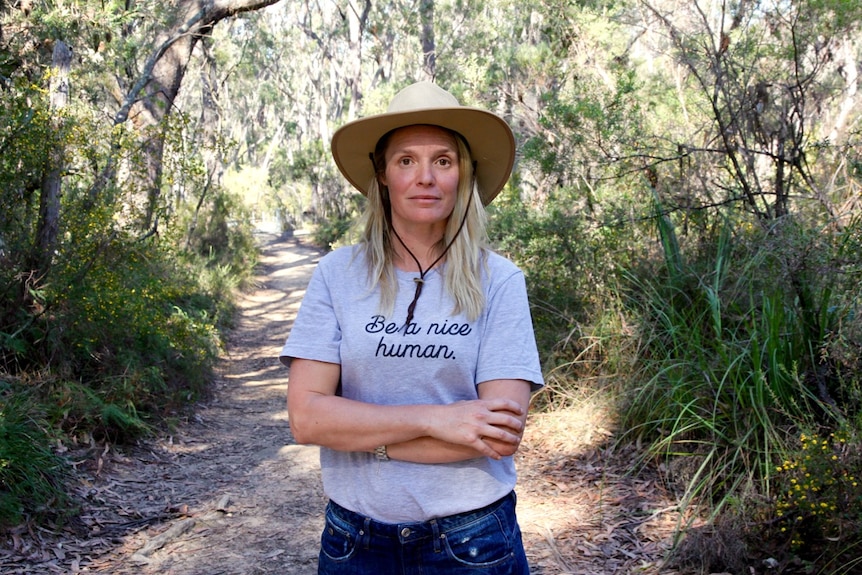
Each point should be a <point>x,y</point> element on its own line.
<point>426,173</point>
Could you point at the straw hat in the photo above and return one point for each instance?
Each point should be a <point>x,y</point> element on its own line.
<point>490,139</point>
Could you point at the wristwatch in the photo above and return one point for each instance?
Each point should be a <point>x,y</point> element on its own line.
<point>381,454</point>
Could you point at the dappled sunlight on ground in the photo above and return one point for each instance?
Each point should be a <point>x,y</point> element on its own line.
<point>581,508</point>
<point>258,377</point>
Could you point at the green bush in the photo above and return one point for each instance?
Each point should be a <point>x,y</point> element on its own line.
<point>327,234</point>
<point>218,234</point>
<point>551,250</point>
<point>572,268</point>
<point>138,327</point>
<point>81,413</point>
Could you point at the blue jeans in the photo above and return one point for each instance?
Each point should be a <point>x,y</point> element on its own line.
<point>486,541</point>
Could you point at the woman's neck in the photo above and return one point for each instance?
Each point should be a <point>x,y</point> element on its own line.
<point>424,247</point>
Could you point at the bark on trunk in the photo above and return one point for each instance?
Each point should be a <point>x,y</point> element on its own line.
<point>210,126</point>
<point>49,200</point>
<point>429,48</point>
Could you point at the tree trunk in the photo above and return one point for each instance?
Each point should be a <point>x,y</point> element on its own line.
<point>357,20</point>
<point>429,48</point>
<point>210,125</point>
<point>49,201</point>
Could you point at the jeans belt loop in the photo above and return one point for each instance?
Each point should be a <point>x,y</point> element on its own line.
<point>435,529</point>
<point>367,536</point>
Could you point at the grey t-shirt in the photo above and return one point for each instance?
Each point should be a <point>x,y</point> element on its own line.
<point>439,358</point>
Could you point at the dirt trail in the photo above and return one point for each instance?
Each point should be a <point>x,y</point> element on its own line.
<point>230,493</point>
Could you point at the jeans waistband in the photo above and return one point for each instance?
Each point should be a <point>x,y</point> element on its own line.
<point>413,531</point>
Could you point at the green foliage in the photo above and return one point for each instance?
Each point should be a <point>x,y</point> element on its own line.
<point>572,269</point>
<point>304,191</point>
<point>138,326</point>
<point>759,78</point>
<point>251,186</point>
<point>550,249</point>
<point>32,477</point>
<point>80,411</point>
<point>308,164</point>
<point>220,234</point>
<point>120,316</point>
<point>286,196</point>
<point>25,140</point>
<point>328,233</point>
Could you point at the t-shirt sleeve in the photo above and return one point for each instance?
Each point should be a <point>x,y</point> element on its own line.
<point>316,333</point>
<point>508,347</point>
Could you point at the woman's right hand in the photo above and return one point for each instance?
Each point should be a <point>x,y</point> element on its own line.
<point>492,427</point>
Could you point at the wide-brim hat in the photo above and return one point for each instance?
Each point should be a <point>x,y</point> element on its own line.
<point>491,142</point>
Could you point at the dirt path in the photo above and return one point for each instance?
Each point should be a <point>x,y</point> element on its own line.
<point>231,494</point>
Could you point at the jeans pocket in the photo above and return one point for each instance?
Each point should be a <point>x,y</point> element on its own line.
<point>483,543</point>
<point>338,541</point>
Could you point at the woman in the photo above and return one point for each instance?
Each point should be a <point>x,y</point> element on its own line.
<point>412,358</point>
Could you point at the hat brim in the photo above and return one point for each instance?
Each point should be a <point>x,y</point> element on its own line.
<point>489,137</point>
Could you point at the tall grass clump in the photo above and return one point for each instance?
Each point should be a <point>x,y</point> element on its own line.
<point>735,343</point>
<point>32,477</point>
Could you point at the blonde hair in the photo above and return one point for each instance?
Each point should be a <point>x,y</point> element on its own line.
<point>466,257</point>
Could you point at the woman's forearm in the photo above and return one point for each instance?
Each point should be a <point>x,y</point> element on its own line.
<point>430,450</point>
<point>430,433</point>
<point>347,425</point>
<point>318,416</point>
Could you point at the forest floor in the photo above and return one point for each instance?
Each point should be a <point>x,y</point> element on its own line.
<point>230,493</point>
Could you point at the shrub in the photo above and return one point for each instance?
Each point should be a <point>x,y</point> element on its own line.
<point>327,233</point>
<point>818,507</point>
<point>138,328</point>
<point>552,250</point>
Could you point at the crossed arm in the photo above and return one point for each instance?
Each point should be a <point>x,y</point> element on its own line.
<point>490,426</point>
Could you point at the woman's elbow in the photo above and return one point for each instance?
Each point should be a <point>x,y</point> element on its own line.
<point>299,437</point>
<point>301,433</point>
<point>298,427</point>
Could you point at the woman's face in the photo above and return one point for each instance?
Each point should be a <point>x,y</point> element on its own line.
<point>421,173</point>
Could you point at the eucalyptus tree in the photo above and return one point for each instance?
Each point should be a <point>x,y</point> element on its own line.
<point>293,73</point>
<point>151,99</point>
<point>766,98</point>
<point>284,78</point>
